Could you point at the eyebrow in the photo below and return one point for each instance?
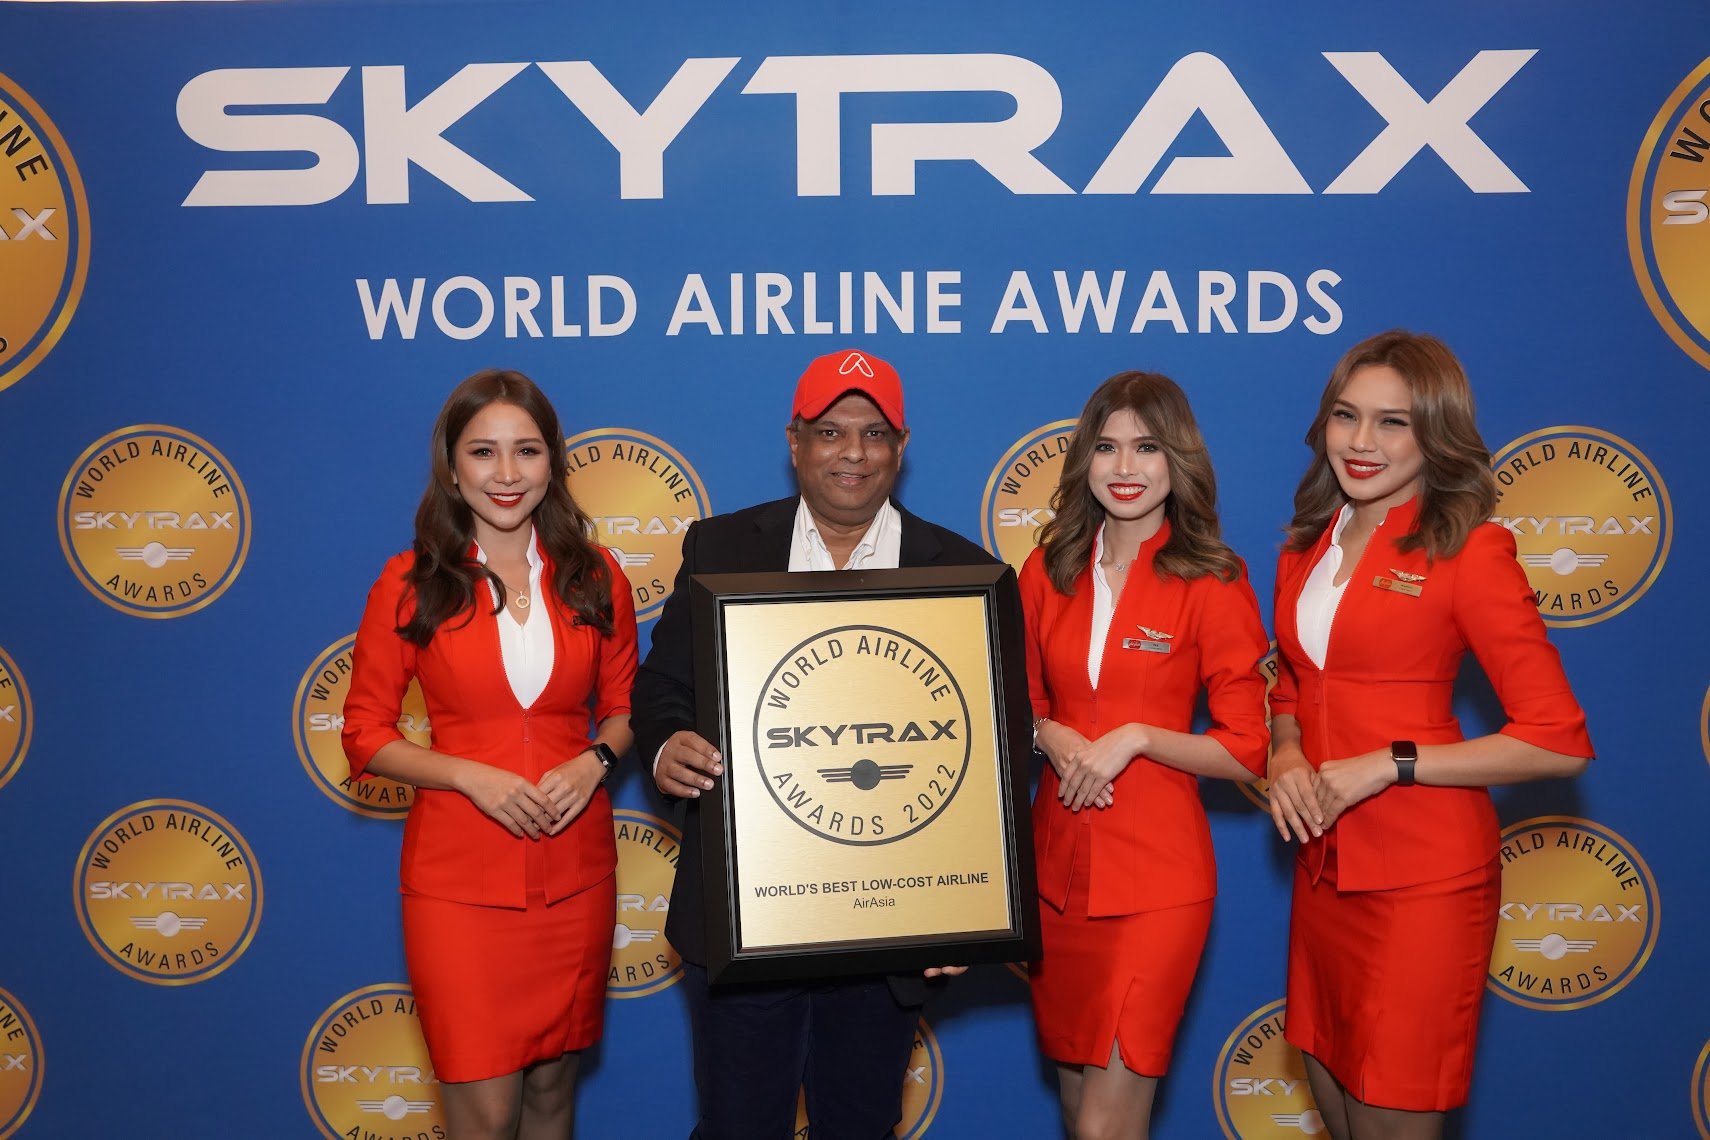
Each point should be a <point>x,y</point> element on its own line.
<point>494,442</point>
<point>1148,438</point>
<point>1341,403</point>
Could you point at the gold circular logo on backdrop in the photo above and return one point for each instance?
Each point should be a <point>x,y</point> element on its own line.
<point>641,495</point>
<point>1579,914</point>
<point>1668,215</point>
<point>1704,724</point>
<point>154,521</point>
<point>643,962</point>
<point>1260,791</point>
<point>317,719</point>
<point>1701,1092</point>
<point>365,1069</point>
<point>1590,517</point>
<point>850,768</point>
<point>1017,500</point>
<point>17,719</point>
<point>167,892</point>
<point>1259,1085</point>
<point>923,1089</point>
<point>44,235</point>
<point>20,1065</point>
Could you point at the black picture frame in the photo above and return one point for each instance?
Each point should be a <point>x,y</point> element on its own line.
<point>728,960</point>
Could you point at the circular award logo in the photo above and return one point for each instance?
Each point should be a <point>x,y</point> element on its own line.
<point>643,962</point>
<point>1700,1092</point>
<point>1668,216</point>
<point>923,1089</point>
<point>44,235</point>
<point>20,1065</point>
<point>1259,1085</point>
<point>1590,517</point>
<point>1704,725</point>
<point>317,718</point>
<point>834,762</point>
<point>1017,501</point>
<point>1260,791</point>
<point>154,521</point>
<point>641,495</point>
<point>1579,914</point>
<point>167,892</point>
<point>17,719</point>
<point>365,1069</point>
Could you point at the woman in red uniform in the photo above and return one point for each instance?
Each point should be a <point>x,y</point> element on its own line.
<point>516,624</point>
<point>1134,605</point>
<point>1389,575</point>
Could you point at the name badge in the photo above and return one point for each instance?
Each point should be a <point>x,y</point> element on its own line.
<point>1411,589</point>
<point>1145,646</point>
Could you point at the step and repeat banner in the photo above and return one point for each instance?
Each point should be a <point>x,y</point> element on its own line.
<point>246,249</point>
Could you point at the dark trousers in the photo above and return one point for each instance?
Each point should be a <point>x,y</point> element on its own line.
<point>846,1043</point>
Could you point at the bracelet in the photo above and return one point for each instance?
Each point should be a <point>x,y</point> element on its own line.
<point>607,758</point>
<point>1037,721</point>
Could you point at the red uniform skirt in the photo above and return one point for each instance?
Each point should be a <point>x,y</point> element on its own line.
<point>498,989</point>
<point>1122,979</point>
<point>1384,987</point>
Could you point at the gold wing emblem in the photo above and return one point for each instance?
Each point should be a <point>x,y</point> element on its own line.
<point>1404,576</point>
<point>1156,635</point>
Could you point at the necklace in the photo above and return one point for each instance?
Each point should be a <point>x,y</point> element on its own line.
<point>522,600</point>
<point>1119,567</point>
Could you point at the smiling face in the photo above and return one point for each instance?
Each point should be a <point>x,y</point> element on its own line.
<point>1129,474</point>
<point>502,469</point>
<point>847,461</point>
<point>1369,439</point>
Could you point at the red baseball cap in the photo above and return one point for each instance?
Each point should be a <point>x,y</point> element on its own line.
<point>830,376</point>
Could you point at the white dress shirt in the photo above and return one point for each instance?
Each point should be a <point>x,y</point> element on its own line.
<point>879,549</point>
<point>526,646</point>
<point>1316,610</point>
<point>1103,609</point>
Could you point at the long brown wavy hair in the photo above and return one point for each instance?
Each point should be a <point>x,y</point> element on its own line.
<point>1195,546</point>
<point>1456,488</point>
<point>445,575</point>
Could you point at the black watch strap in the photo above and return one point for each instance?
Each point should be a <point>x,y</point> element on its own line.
<point>1405,753</point>
<point>607,758</point>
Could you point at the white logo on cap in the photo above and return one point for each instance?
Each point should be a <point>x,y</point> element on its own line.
<point>855,362</point>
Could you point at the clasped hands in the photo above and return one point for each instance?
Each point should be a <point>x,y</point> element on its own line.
<point>1308,803</point>
<point>528,809</point>
<point>1086,769</point>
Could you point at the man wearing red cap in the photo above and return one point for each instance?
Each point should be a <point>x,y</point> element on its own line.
<point>847,1040</point>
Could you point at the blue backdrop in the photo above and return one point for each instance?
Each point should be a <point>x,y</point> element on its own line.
<point>302,223</point>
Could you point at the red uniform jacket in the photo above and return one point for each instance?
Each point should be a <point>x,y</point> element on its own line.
<point>1152,848</point>
<point>451,849</point>
<point>1390,674</point>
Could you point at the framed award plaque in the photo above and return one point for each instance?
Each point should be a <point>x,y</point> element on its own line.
<point>876,732</point>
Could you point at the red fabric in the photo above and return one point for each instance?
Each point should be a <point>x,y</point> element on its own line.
<point>1390,674</point>
<point>451,850</point>
<point>1384,987</point>
<point>1152,848</point>
<point>498,989</point>
<point>1122,979</point>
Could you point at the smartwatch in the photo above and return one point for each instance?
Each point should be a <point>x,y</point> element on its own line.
<point>607,758</point>
<point>1405,753</point>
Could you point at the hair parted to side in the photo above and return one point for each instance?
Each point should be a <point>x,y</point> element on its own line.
<point>1195,546</point>
<point>1456,491</point>
<point>445,573</point>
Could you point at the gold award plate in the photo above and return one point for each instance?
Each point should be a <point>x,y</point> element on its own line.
<point>870,800</point>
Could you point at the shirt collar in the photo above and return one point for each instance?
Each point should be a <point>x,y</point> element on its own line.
<point>887,521</point>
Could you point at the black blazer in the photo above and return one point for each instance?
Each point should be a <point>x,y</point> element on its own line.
<point>748,541</point>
